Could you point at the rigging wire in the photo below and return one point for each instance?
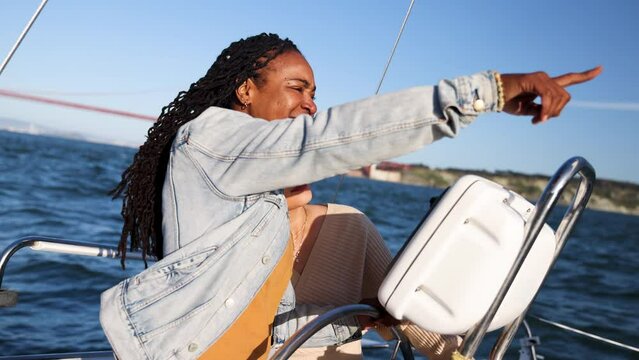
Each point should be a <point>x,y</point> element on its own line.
<point>39,92</point>
<point>69,104</point>
<point>399,35</point>
<point>381,80</point>
<point>53,101</point>
<point>24,33</point>
<point>584,333</point>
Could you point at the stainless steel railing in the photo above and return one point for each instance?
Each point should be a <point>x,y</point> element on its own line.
<point>305,333</point>
<point>62,246</point>
<point>548,200</point>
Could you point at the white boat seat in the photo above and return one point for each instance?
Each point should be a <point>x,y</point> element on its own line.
<point>448,273</point>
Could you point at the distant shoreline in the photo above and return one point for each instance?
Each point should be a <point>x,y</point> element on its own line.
<point>27,128</point>
<point>608,195</point>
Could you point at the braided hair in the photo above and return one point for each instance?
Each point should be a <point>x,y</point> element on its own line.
<point>142,182</point>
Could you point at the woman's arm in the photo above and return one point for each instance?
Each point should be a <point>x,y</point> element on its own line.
<point>242,155</point>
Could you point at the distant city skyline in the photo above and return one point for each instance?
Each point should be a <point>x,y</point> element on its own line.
<point>136,56</point>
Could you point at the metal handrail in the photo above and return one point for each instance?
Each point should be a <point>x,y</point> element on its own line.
<point>305,333</point>
<point>549,198</point>
<point>63,246</point>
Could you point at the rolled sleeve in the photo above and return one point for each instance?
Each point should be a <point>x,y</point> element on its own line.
<point>469,96</point>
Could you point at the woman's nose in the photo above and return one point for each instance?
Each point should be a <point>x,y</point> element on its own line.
<point>309,106</point>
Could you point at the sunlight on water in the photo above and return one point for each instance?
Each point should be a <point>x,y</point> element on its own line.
<point>59,188</point>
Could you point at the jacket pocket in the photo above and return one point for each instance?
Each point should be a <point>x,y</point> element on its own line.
<point>145,287</point>
<point>268,217</point>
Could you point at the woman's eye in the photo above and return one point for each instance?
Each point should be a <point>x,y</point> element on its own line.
<point>301,91</point>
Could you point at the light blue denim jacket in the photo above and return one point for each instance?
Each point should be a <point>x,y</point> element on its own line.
<point>225,221</point>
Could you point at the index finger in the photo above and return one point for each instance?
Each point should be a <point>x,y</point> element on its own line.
<point>578,78</point>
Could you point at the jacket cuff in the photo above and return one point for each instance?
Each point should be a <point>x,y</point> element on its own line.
<point>469,96</point>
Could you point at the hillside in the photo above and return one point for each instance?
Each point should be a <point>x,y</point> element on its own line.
<point>608,195</point>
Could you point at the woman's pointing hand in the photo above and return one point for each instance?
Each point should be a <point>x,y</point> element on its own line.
<point>521,90</point>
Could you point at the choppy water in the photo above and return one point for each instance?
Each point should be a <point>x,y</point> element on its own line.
<point>57,187</point>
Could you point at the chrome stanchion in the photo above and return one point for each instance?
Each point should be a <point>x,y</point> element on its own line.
<point>305,333</point>
<point>547,201</point>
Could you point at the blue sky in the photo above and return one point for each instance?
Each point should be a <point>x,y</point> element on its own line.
<point>136,56</point>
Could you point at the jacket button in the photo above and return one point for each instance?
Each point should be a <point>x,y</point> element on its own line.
<point>266,259</point>
<point>192,347</point>
<point>479,105</point>
<point>229,302</point>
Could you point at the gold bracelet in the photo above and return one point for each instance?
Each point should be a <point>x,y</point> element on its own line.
<point>500,92</point>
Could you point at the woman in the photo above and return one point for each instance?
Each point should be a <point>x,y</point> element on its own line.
<point>203,191</point>
<point>340,258</point>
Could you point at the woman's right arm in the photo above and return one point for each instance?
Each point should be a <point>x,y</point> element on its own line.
<point>242,155</point>
<point>229,145</point>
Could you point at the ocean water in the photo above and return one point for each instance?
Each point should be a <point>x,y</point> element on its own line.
<point>57,187</point>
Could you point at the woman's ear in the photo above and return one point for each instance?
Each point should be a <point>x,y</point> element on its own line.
<point>244,92</point>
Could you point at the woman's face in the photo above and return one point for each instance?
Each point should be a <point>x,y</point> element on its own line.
<point>286,89</point>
